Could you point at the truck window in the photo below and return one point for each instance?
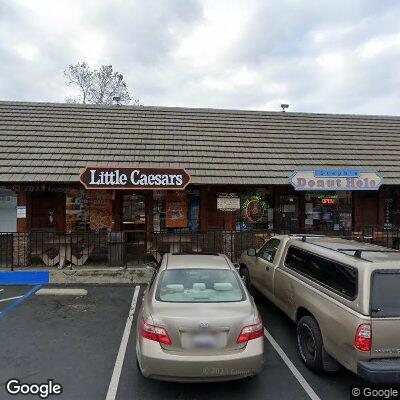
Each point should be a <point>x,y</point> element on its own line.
<point>335,276</point>
<point>385,299</point>
<point>268,251</point>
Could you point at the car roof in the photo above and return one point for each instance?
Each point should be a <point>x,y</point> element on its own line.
<point>367,251</point>
<point>214,260</point>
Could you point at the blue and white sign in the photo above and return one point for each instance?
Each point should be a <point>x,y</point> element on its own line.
<point>333,179</point>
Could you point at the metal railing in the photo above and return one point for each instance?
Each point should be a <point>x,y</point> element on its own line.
<point>53,249</point>
<point>114,249</point>
<point>233,243</point>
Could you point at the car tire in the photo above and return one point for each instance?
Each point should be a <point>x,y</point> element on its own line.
<point>310,343</point>
<point>138,368</point>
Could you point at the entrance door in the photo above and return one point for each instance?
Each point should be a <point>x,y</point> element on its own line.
<point>134,222</point>
<point>289,213</point>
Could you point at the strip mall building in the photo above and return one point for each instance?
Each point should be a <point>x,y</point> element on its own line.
<point>153,171</point>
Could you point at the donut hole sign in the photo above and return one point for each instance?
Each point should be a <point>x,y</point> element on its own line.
<point>335,180</point>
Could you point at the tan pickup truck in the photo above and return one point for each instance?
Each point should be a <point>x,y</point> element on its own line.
<point>343,295</point>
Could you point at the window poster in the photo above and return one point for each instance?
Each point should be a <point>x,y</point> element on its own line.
<point>176,208</point>
<point>100,210</point>
<point>388,214</point>
<point>77,213</point>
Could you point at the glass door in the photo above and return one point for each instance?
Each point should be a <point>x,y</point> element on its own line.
<point>289,214</point>
<point>134,222</point>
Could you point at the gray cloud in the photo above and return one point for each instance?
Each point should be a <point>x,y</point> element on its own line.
<point>318,55</point>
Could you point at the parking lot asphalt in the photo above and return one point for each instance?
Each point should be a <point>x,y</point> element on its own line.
<point>76,340</point>
<point>11,296</point>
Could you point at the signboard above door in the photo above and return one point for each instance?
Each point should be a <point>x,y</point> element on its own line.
<point>350,180</point>
<point>134,178</point>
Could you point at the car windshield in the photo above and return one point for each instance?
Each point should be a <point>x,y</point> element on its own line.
<point>198,285</point>
<point>385,294</point>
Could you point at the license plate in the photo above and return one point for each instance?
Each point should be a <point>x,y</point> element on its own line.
<point>204,341</point>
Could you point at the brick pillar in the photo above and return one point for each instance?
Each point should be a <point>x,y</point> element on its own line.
<point>228,244</point>
<point>21,240</point>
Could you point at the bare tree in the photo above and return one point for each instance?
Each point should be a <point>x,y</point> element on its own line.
<point>97,86</point>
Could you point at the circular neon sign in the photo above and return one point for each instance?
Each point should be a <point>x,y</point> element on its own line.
<point>254,208</point>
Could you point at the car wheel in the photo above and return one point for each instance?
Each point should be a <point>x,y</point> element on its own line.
<point>138,367</point>
<point>309,343</point>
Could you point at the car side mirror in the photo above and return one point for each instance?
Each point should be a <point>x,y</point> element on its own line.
<point>251,252</point>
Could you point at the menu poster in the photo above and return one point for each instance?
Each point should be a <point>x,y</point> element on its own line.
<point>388,214</point>
<point>176,208</point>
<point>76,210</point>
<point>100,210</point>
<point>309,208</point>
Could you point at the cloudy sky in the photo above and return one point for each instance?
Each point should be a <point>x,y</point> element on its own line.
<point>316,55</point>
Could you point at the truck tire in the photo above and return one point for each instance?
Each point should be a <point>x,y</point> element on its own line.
<point>245,274</point>
<point>310,343</point>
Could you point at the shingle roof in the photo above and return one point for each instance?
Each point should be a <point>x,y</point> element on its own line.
<point>52,142</point>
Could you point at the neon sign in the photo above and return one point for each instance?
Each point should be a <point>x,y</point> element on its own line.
<point>328,201</point>
<point>254,208</point>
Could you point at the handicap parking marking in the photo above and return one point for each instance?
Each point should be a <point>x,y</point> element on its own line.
<point>18,299</point>
<point>11,298</point>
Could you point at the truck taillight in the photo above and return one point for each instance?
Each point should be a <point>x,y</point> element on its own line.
<point>250,332</point>
<point>363,339</point>
<point>155,333</point>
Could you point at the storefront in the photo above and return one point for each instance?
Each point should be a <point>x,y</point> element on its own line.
<point>208,179</point>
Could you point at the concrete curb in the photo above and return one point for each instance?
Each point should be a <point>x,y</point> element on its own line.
<point>101,276</point>
<point>61,292</point>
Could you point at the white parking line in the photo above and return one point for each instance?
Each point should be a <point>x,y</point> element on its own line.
<point>113,387</point>
<point>11,298</point>
<point>308,389</point>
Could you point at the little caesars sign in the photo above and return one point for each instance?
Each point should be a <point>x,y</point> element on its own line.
<point>134,178</point>
<point>335,180</point>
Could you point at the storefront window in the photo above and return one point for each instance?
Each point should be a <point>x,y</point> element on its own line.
<point>256,210</point>
<point>87,211</point>
<point>8,213</point>
<point>328,211</point>
<point>176,211</point>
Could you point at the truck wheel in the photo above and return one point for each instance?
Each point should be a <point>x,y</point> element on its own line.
<point>244,273</point>
<point>310,343</point>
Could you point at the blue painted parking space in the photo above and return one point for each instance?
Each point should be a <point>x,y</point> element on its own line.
<point>13,295</point>
<point>24,277</point>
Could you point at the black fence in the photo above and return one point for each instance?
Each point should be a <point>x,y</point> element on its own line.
<point>114,249</point>
<point>233,243</point>
<point>51,249</point>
